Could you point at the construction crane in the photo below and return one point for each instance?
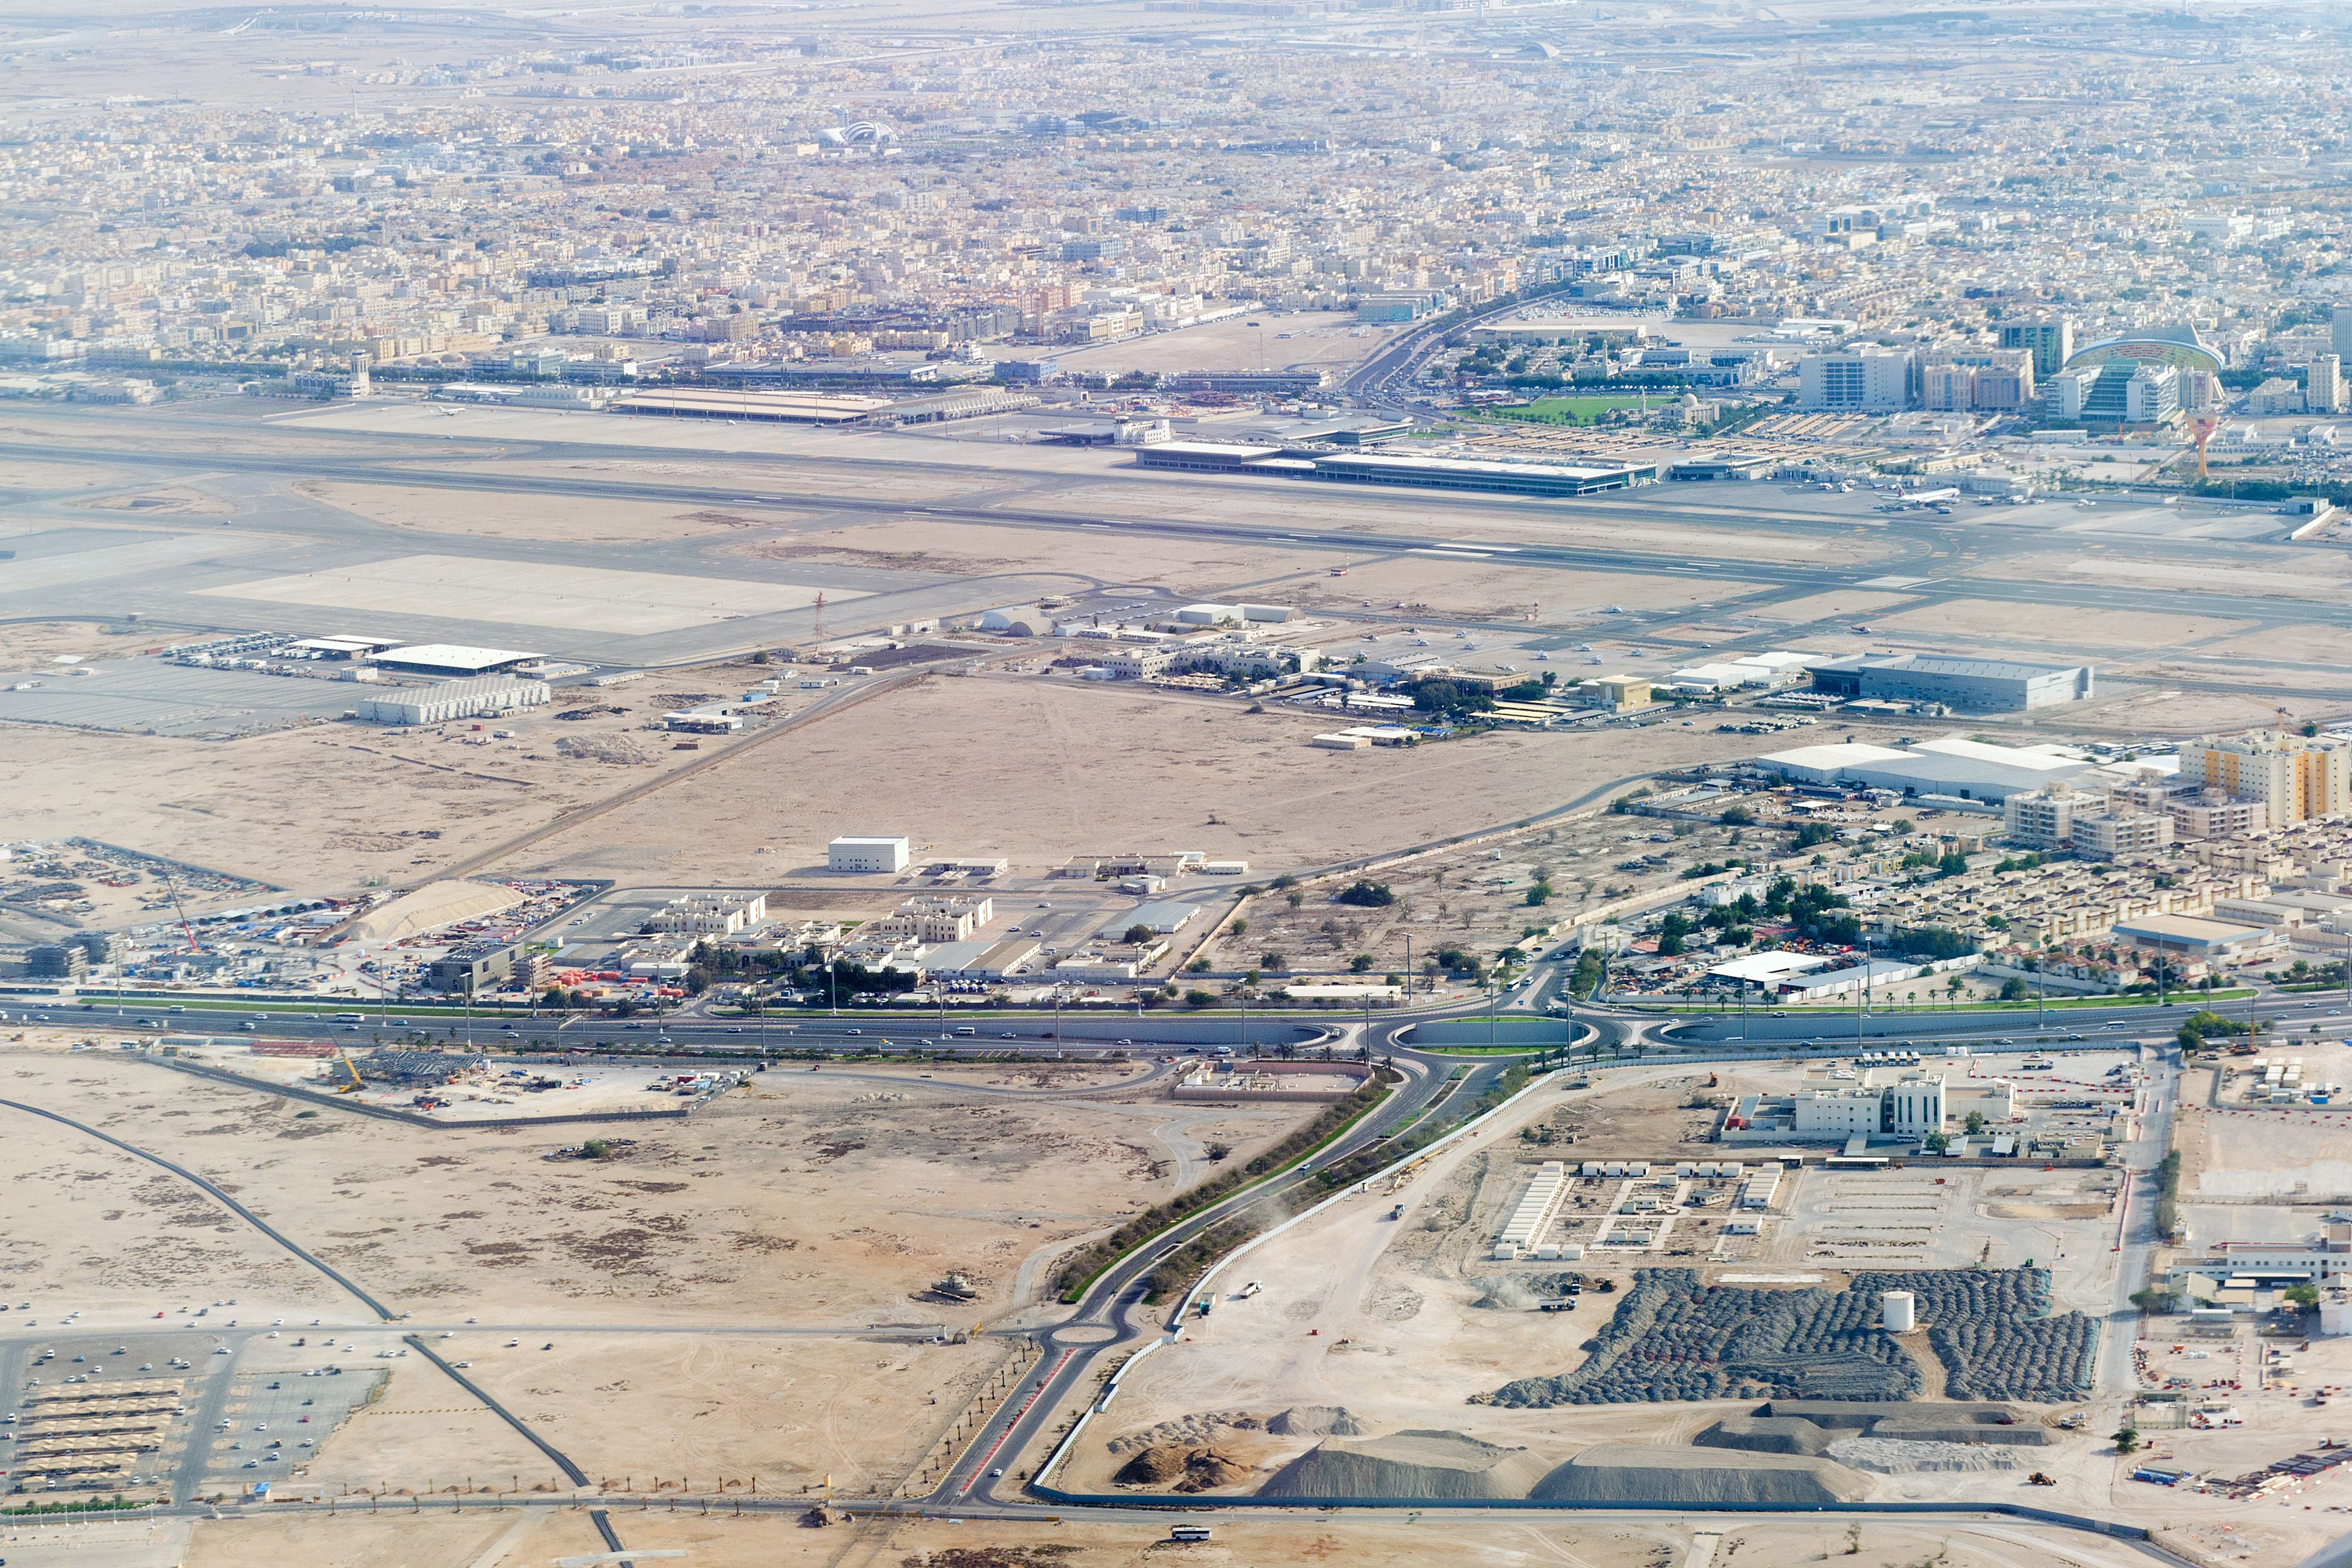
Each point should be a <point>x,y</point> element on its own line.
<point>186,925</point>
<point>357,1083</point>
<point>817,632</point>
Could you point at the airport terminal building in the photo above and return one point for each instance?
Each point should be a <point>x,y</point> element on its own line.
<point>1545,479</point>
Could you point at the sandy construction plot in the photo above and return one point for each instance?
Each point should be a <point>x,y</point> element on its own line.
<point>531,593</point>
<point>2289,1154</point>
<point>500,514</point>
<point>1038,769</point>
<point>1996,623</point>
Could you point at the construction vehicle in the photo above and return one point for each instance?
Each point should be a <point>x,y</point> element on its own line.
<point>2038,1479</point>
<point>357,1083</point>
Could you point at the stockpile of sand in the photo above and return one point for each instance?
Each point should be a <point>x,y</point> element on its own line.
<point>1407,1464</point>
<point>434,904</point>
<point>1895,1456</point>
<point>1701,1477</point>
<point>1766,1435</point>
<point>1315,1421</point>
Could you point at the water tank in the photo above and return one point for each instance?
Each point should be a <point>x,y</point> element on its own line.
<point>1900,1318</point>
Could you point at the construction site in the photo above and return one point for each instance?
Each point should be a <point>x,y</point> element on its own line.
<point>1589,1300</point>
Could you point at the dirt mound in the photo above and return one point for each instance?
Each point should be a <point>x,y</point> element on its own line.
<point>1701,1477</point>
<point>1407,1464</point>
<point>1198,1430</point>
<point>1179,1468</point>
<point>1766,1435</point>
<point>1315,1420</point>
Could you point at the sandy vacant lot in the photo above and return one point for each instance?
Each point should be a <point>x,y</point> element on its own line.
<point>324,807</point>
<point>1040,768</point>
<point>746,1294</point>
<point>812,1199</point>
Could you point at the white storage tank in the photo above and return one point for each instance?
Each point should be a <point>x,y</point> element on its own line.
<point>1900,1310</point>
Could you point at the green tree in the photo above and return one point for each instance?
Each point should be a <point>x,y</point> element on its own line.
<point>1976,1121</point>
<point>1136,935</point>
<point>2126,1440</point>
<point>1199,999</point>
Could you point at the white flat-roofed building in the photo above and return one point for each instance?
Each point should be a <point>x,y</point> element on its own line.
<point>1968,769</point>
<point>452,658</point>
<point>1829,764</point>
<point>444,701</point>
<point>1768,971</point>
<point>854,853</point>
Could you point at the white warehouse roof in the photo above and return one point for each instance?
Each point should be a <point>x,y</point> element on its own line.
<point>1951,765</point>
<point>1826,765</point>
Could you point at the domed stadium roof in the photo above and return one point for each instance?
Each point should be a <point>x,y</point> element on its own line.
<point>2179,347</point>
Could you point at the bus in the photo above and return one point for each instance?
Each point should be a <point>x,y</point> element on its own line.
<point>351,1017</point>
<point>1189,1532</point>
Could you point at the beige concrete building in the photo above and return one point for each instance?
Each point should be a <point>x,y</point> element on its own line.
<point>2296,778</point>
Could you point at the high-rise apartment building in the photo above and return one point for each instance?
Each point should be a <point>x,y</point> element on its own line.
<point>2340,326</point>
<point>2295,777</point>
<point>1864,380</point>
<point>2323,384</point>
<point>2050,339</point>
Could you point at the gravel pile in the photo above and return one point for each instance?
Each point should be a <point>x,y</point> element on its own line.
<point>1674,1339</point>
<point>1993,1330</point>
<point>1701,1477</point>
<point>1766,1435</point>
<point>1407,1464</point>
